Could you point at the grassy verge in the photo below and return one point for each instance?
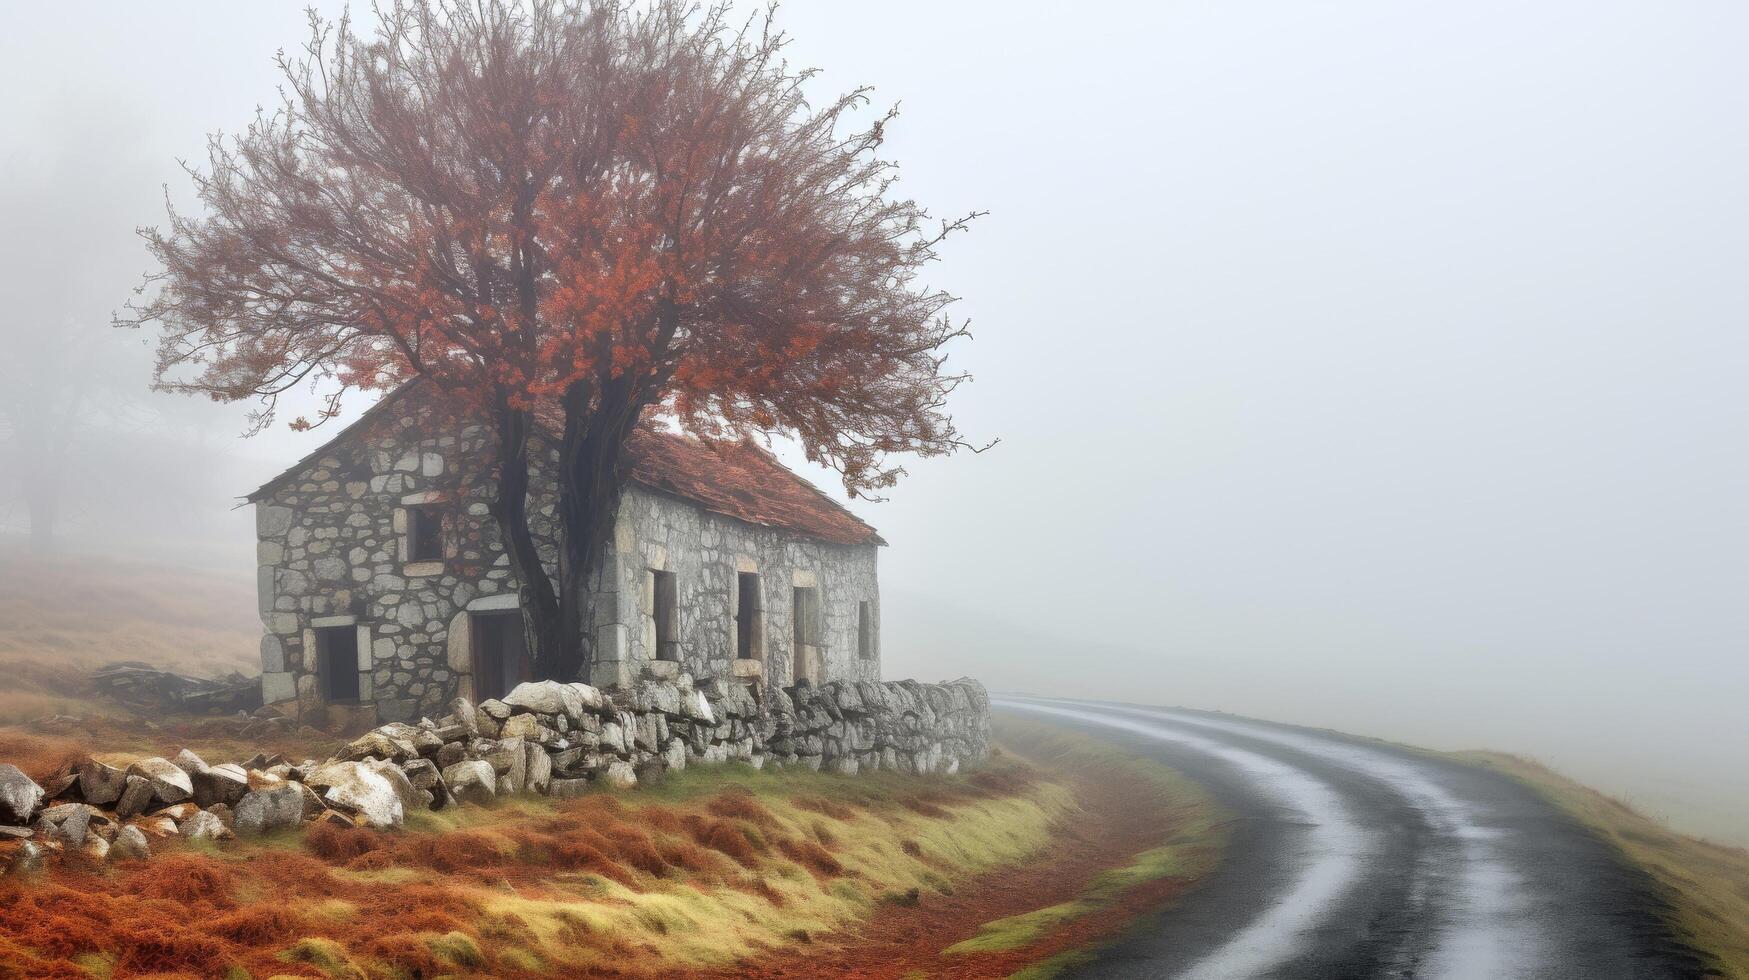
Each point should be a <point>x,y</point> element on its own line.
<point>1187,841</point>
<point>1706,885</point>
<point>717,866</point>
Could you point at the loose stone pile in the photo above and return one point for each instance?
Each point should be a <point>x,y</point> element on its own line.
<point>545,737</point>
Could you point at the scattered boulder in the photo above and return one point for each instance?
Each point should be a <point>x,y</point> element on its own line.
<point>134,798</point>
<point>451,754</point>
<point>221,784</point>
<point>463,713</point>
<point>620,774</point>
<point>189,763</point>
<point>130,844</point>
<point>313,805</point>
<point>411,797</point>
<point>538,774</point>
<point>157,826</point>
<point>568,789</point>
<point>169,783</point>
<point>270,808</point>
<point>590,698</point>
<point>101,785</point>
<point>471,781</point>
<point>27,859</point>
<point>19,796</point>
<point>428,779</point>
<point>521,726</point>
<point>70,822</point>
<point>358,789</point>
<point>95,848</point>
<point>204,826</point>
<point>178,813</point>
<point>544,698</point>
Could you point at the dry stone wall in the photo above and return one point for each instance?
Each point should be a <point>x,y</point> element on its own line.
<point>544,737</point>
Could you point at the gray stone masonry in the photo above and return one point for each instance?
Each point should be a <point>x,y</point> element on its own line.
<point>544,737</point>
<point>336,555</point>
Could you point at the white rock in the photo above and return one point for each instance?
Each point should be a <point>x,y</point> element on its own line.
<point>19,796</point>
<point>411,799</point>
<point>360,790</point>
<point>130,844</point>
<point>204,826</point>
<point>268,809</point>
<point>472,781</point>
<point>590,698</point>
<point>620,775</point>
<point>169,783</point>
<point>545,698</point>
<point>539,777</point>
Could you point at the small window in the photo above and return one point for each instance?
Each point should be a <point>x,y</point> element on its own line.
<point>805,619</point>
<point>337,662</point>
<point>425,533</point>
<point>749,632</point>
<point>864,631</point>
<point>664,600</point>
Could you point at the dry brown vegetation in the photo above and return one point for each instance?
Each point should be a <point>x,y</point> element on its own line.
<point>1705,885</point>
<point>715,872</point>
<point>718,872</point>
<point>701,873</point>
<point>64,615</point>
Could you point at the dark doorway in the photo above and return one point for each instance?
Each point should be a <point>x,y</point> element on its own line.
<point>500,656</point>
<point>749,636</point>
<point>337,662</point>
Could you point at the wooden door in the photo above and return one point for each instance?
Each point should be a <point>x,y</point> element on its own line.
<point>500,656</point>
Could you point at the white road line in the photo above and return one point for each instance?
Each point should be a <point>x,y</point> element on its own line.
<point>1484,932</point>
<point>1327,863</point>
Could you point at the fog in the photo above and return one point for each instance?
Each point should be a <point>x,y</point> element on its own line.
<point>1373,365</point>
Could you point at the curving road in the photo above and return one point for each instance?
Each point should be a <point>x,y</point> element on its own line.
<point>1354,859</point>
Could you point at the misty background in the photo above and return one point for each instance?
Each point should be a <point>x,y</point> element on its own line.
<point>1372,365</point>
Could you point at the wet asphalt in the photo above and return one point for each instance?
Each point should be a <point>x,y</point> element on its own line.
<point>1351,859</point>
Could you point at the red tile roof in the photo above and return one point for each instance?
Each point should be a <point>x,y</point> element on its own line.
<point>741,480</point>
<point>744,481</point>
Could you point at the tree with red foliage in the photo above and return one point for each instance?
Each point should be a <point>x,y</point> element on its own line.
<point>596,212</point>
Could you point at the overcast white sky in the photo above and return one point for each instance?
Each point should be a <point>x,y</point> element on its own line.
<point>1379,365</point>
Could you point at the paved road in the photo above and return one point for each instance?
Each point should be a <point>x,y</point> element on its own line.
<point>1352,859</point>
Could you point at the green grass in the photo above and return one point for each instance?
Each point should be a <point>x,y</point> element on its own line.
<point>1053,967</point>
<point>1705,884</point>
<point>325,955</point>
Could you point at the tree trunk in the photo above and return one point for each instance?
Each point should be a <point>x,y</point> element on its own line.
<point>591,478</point>
<point>554,649</point>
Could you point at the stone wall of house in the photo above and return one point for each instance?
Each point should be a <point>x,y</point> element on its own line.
<point>331,550</point>
<point>707,553</point>
<point>332,554</point>
<point>543,737</point>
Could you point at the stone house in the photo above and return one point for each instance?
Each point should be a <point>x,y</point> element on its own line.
<point>382,581</point>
